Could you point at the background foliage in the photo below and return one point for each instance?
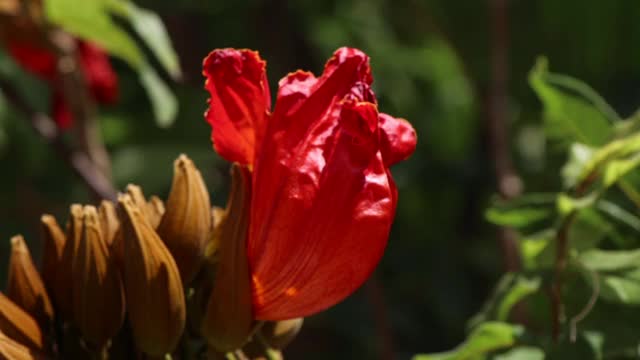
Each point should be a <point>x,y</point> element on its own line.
<point>431,63</point>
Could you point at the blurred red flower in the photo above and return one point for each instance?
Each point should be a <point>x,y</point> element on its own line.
<point>100,77</point>
<point>323,198</point>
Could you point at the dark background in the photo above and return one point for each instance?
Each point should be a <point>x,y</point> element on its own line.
<point>436,63</point>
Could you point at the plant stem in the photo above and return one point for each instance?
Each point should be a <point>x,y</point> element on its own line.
<point>94,179</point>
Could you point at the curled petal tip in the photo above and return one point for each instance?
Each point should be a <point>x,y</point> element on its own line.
<point>398,139</point>
<point>230,63</point>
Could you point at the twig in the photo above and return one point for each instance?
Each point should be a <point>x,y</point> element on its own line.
<point>77,96</point>
<point>93,177</point>
<point>562,252</point>
<point>508,182</point>
<point>595,279</point>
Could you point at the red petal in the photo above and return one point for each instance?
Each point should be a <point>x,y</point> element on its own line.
<point>100,76</point>
<point>239,103</point>
<point>326,231</point>
<point>397,139</point>
<point>37,60</point>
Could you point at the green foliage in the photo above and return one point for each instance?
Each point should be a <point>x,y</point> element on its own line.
<point>570,108</point>
<point>586,229</point>
<point>92,20</point>
<point>484,339</point>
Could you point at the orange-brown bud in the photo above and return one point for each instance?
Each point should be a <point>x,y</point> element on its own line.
<point>228,320</point>
<point>155,211</point>
<point>186,225</point>
<point>24,286</point>
<point>218,216</point>
<point>13,350</point>
<point>98,295</point>
<point>153,289</point>
<point>279,334</point>
<point>54,240</point>
<point>108,220</point>
<point>63,286</point>
<point>18,325</point>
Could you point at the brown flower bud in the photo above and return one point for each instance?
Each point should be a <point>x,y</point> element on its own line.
<point>153,289</point>
<point>98,295</point>
<point>18,325</point>
<point>155,211</point>
<point>228,320</point>
<point>186,225</point>
<point>218,216</point>
<point>54,240</point>
<point>108,220</point>
<point>13,350</point>
<point>279,334</point>
<point>140,201</point>
<point>24,286</point>
<point>63,285</point>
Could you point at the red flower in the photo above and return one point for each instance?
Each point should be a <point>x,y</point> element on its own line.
<point>101,79</point>
<point>323,199</point>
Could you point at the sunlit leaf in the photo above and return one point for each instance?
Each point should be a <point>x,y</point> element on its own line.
<point>151,30</point>
<point>484,339</point>
<point>610,260</point>
<point>569,115</point>
<point>522,353</point>
<point>90,20</point>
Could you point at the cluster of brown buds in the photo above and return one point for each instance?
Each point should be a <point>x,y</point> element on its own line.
<point>131,280</point>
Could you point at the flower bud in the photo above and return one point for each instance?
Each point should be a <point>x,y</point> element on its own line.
<point>279,334</point>
<point>155,211</point>
<point>54,240</point>
<point>63,286</point>
<point>24,286</point>
<point>186,225</point>
<point>98,295</point>
<point>11,349</point>
<point>228,320</point>
<point>153,289</point>
<point>108,220</point>
<point>218,216</point>
<point>18,325</point>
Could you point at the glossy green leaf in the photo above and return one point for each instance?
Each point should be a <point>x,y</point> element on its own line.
<point>569,115</point>
<point>521,212</point>
<point>484,339</point>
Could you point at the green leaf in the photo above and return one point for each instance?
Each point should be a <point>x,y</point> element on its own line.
<point>610,260</point>
<point>163,102</point>
<point>483,340</point>
<point>521,212</point>
<point>623,288</point>
<point>149,26</point>
<point>90,20</point>
<point>617,168</point>
<point>620,214</point>
<point>572,112</point>
<point>536,249</point>
<point>579,157</point>
<point>510,290</point>
<point>522,353</point>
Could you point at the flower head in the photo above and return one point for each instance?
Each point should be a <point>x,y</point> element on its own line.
<point>323,198</point>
